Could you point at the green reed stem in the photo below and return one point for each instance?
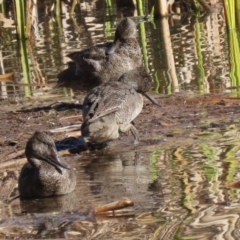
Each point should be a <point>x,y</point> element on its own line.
<point>109,3</point>
<point>140,8</point>
<point>156,82</point>
<point>195,5</point>
<point>108,23</point>
<point>229,6</point>
<point>237,11</point>
<point>143,41</point>
<point>58,7</point>
<point>3,8</point>
<point>25,68</point>
<point>142,31</point>
<point>109,8</point>
<point>21,20</point>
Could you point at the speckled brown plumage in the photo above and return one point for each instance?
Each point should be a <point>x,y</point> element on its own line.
<point>111,107</point>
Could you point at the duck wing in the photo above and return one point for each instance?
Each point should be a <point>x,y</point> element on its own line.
<point>90,59</point>
<point>105,99</point>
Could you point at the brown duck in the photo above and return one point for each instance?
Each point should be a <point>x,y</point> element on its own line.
<point>111,107</point>
<point>103,62</point>
<point>45,174</point>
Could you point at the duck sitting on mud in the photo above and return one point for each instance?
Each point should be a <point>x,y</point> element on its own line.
<point>103,62</point>
<point>111,107</point>
<point>45,174</point>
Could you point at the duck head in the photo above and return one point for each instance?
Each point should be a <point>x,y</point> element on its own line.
<point>126,29</point>
<point>140,81</point>
<point>41,148</point>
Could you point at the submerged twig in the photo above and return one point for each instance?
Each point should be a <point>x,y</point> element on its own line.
<point>122,203</point>
<point>11,162</point>
<point>12,155</point>
<point>8,77</point>
<point>66,129</point>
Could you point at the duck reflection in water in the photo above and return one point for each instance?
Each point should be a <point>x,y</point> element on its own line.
<point>103,62</point>
<point>45,174</point>
<point>111,107</point>
<point>116,173</point>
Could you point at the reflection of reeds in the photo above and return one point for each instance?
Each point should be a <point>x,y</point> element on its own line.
<point>24,28</point>
<point>49,29</point>
<point>2,84</point>
<point>73,5</point>
<point>201,71</point>
<point>233,165</point>
<point>30,19</point>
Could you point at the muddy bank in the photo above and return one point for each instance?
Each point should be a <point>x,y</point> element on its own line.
<point>182,118</point>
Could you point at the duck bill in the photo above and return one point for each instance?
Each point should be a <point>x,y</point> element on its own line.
<point>54,160</point>
<point>152,99</point>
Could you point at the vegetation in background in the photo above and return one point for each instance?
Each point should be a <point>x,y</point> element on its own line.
<point>56,11</point>
<point>232,10</point>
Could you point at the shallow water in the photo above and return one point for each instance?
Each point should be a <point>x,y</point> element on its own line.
<point>177,192</point>
<point>176,176</point>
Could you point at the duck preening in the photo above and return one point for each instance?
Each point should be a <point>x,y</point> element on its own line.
<point>103,62</point>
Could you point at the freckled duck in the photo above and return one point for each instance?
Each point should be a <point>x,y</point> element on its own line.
<point>103,62</point>
<point>111,107</point>
<point>45,174</point>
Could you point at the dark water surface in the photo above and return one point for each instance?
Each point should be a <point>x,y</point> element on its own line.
<point>177,186</point>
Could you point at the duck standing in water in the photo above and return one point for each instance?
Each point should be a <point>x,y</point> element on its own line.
<point>45,174</point>
<point>111,107</point>
<point>103,62</point>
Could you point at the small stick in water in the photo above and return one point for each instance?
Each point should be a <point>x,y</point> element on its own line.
<point>122,203</point>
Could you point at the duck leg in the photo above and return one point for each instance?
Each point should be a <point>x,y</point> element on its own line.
<point>135,134</point>
<point>133,130</point>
